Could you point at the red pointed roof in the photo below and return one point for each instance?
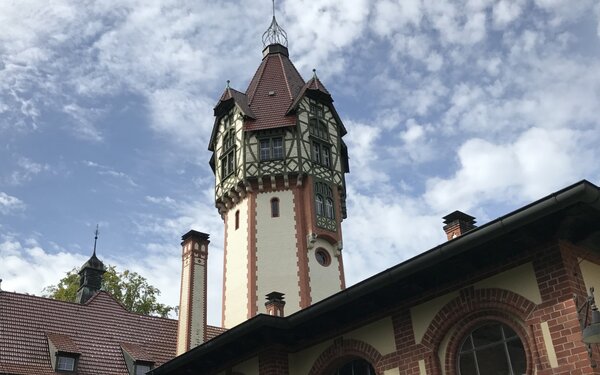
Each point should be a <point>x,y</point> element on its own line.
<point>273,89</point>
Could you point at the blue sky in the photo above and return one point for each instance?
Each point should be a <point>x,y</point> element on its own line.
<point>106,112</point>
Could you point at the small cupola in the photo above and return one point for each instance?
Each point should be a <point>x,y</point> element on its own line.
<point>90,276</point>
<point>458,223</point>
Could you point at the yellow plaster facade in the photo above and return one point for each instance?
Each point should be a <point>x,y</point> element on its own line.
<point>236,276</point>
<point>276,250</point>
<point>520,280</point>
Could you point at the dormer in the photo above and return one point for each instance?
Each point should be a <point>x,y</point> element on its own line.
<point>137,359</point>
<point>64,353</point>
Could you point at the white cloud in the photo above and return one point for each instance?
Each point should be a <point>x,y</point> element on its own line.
<point>506,11</point>
<point>538,162</point>
<point>10,204</point>
<point>104,170</point>
<point>27,169</point>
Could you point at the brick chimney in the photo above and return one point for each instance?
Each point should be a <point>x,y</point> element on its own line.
<point>457,223</point>
<point>191,329</point>
<point>275,304</point>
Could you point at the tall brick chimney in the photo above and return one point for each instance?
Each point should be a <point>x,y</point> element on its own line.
<point>275,304</point>
<point>457,223</point>
<point>191,328</point>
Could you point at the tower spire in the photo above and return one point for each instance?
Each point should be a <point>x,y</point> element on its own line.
<point>274,34</point>
<point>95,240</point>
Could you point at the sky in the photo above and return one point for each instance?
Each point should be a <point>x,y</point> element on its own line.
<point>106,107</point>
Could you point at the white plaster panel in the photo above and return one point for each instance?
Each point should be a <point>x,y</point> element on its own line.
<point>392,371</point>
<point>324,281</point>
<point>549,344</point>
<point>422,315</point>
<point>236,278</point>
<point>379,334</point>
<point>197,313</point>
<point>183,310</point>
<point>276,248</point>
<point>444,347</point>
<point>520,280</point>
<point>422,368</point>
<point>249,367</point>
<point>591,274</point>
<point>301,362</point>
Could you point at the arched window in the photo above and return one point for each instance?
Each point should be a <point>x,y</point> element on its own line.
<point>319,203</point>
<point>355,367</point>
<point>493,348</point>
<point>275,207</point>
<point>329,208</point>
<point>237,219</point>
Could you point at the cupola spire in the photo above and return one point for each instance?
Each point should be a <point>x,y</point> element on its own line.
<point>90,275</point>
<point>274,34</point>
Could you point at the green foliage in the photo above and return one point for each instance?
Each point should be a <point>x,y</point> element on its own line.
<point>129,288</point>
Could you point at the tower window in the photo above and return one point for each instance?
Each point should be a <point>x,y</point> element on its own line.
<point>271,148</point>
<point>492,348</point>
<point>228,163</point>
<point>237,219</point>
<point>329,208</point>
<point>319,204</point>
<point>275,207</point>
<point>323,257</point>
<point>321,153</point>
<point>318,128</point>
<point>228,150</point>
<point>325,207</point>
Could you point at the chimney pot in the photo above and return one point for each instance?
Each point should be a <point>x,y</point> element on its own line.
<point>275,304</point>
<point>457,223</point>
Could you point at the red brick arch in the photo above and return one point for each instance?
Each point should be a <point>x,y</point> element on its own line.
<point>343,350</point>
<point>473,307</point>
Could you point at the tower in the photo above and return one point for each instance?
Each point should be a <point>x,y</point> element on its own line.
<point>279,162</point>
<point>191,328</point>
<point>90,276</point>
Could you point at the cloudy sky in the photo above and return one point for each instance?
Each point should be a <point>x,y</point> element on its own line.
<point>106,111</point>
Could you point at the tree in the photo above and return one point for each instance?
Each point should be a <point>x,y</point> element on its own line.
<point>129,288</point>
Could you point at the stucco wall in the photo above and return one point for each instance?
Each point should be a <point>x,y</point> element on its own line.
<point>324,281</point>
<point>301,362</point>
<point>236,276</point>
<point>276,250</point>
<point>379,334</point>
<point>591,275</point>
<point>520,280</point>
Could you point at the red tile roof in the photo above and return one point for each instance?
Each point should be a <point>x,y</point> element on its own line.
<point>272,90</point>
<point>96,329</point>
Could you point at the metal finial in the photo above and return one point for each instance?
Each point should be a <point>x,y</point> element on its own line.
<point>95,239</point>
<point>274,34</point>
<point>227,83</point>
<point>314,73</point>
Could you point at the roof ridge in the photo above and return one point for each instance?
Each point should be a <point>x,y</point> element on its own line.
<point>256,79</point>
<point>285,78</point>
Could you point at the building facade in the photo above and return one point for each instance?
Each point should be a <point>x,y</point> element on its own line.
<point>279,162</point>
<point>503,298</point>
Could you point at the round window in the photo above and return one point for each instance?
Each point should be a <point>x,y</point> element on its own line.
<point>323,257</point>
<point>490,349</point>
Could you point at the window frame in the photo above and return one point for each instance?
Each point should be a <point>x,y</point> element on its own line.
<point>271,148</point>
<point>63,356</point>
<point>228,147</point>
<point>139,364</point>
<point>237,219</point>
<point>501,344</point>
<point>275,208</point>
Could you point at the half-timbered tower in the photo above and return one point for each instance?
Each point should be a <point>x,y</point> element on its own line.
<point>279,162</point>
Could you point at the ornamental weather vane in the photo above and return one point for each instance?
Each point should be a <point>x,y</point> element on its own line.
<point>274,34</point>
